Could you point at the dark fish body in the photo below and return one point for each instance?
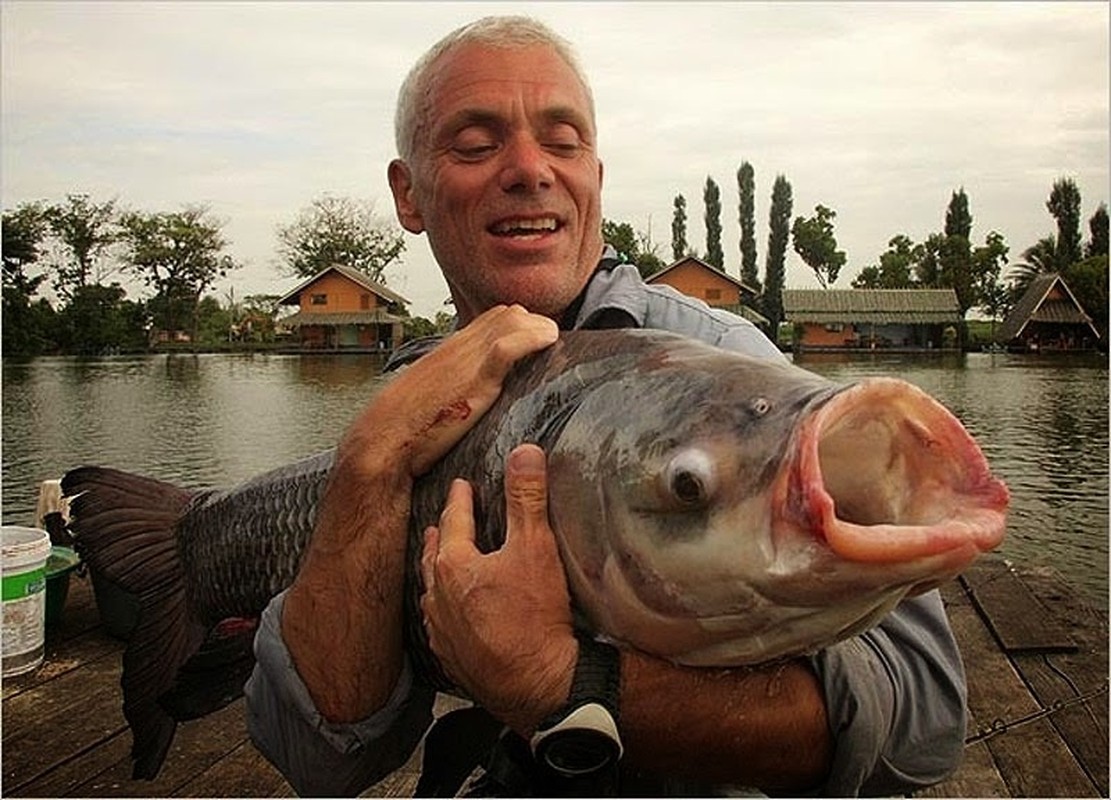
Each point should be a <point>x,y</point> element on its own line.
<point>710,508</point>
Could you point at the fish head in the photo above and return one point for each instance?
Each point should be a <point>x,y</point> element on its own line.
<point>720,510</point>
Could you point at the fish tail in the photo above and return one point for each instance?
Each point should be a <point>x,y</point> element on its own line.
<point>124,526</point>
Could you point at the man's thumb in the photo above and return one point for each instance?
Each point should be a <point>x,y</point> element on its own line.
<point>526,489</point>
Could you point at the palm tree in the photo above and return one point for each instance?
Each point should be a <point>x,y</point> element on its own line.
<point>1039,258</point>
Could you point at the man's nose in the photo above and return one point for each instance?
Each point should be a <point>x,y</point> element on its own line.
<point>526,166</point>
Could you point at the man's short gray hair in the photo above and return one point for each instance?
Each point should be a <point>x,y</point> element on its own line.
<point>500,31</point>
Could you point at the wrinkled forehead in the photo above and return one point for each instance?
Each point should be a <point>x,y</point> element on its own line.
<point>482,78</point>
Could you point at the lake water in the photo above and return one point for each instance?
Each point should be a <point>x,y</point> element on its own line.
<point>214,420</point>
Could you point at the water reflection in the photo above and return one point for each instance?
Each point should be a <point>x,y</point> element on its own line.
<point>335,371</point>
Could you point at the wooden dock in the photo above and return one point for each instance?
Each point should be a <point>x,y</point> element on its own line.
<point>1036,658</point>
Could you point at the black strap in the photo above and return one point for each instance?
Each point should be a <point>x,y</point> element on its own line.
<point>455,745</point>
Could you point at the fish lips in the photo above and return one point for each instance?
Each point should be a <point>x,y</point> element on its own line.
<point>885,475</point>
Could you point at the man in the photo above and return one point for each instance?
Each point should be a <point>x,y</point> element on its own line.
<point>498,167</point>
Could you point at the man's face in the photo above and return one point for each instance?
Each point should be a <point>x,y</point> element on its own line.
<point>505,179</point>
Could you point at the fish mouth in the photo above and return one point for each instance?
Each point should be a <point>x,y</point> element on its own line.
<point>886,474</point>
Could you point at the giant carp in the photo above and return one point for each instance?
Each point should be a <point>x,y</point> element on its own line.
<point>710,508</point>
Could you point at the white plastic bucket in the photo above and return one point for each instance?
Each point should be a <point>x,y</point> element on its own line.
<point>23,554</point>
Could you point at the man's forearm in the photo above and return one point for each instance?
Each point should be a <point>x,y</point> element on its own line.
<point>763,727</point>
<point>342,616</point>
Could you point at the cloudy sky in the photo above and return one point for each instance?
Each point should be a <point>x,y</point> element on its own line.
<point>879,111</point>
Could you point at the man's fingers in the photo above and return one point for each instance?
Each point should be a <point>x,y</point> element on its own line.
<point>526,491</point>
<point>428,555</point>
<point>513,334</point>
<point>457,518</point>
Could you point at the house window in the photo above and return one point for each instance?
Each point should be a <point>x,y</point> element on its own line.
<point>713,294</point>
<point>319,299</point>
<point>364,301</point>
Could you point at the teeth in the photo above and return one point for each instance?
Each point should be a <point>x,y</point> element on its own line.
<point>526,225</point>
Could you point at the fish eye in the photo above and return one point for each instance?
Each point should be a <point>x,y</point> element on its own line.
<point>761,406</point>
<point>689,479</point>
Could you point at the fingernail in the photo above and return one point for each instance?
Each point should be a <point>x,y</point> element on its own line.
<point>526,458</point>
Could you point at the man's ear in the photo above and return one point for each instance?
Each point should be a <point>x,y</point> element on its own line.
<point>401,184</point>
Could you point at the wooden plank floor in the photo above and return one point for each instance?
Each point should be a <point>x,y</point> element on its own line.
<point>1038,703</point>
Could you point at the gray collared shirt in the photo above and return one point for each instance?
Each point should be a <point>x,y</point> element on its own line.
<point>895,695</point>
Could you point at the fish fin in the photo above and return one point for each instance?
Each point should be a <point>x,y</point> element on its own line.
<point>124,526</point>
<point>214,676</point>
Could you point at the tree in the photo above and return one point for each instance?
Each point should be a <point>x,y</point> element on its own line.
<point>86,231</point>
<point>23,231</point>
<point>99,319</point>
<point>1064,205</point>
<point>339,231</point>
<point>779,221</point>
<point>896,267</point>
<point>215,322</point>
<point>417,327</point>
<point>1039,258</point>
<point>955,253</point>
<point>711,196</point>
<point>987,266</point>
<point>927,269</point>
<point>679,228</point>
<point>1097,226</point>
<point>622,237</point>
<point>816,244</point>
<point>746,187</point>
<point>633,246</point>
<point>1088,281</point>
<point>958,220</point>
<point>27,325</point>
<point>179,254</point>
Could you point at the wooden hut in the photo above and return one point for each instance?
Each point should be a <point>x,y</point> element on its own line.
<point>695,278</point>
<point>872,318</point>
<point>341,308</point>
<point>1048,318</point>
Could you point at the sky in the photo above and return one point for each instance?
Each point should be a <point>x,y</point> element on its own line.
<point>879,111</point>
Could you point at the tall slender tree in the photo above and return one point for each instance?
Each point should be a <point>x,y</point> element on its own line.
<point>955,255</point>
<point>746,187</point>
<point>711,195</point>
<point>1064,205</point>
<point>679,246</point>
<point>958,219</point>
<point>1097,226</point>
<point>779,231</point>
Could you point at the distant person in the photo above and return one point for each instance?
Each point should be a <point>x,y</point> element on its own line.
<point>498,166</point>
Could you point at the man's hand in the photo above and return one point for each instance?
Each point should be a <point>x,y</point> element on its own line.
<point>433,402</point>
<point>500,624</point>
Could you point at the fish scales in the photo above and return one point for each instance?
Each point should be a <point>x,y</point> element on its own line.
<point>710,508</point>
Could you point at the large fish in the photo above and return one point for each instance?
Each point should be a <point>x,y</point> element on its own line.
<point>710,508</point>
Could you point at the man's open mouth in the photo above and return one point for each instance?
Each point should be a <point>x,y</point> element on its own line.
<point>525,227</point>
